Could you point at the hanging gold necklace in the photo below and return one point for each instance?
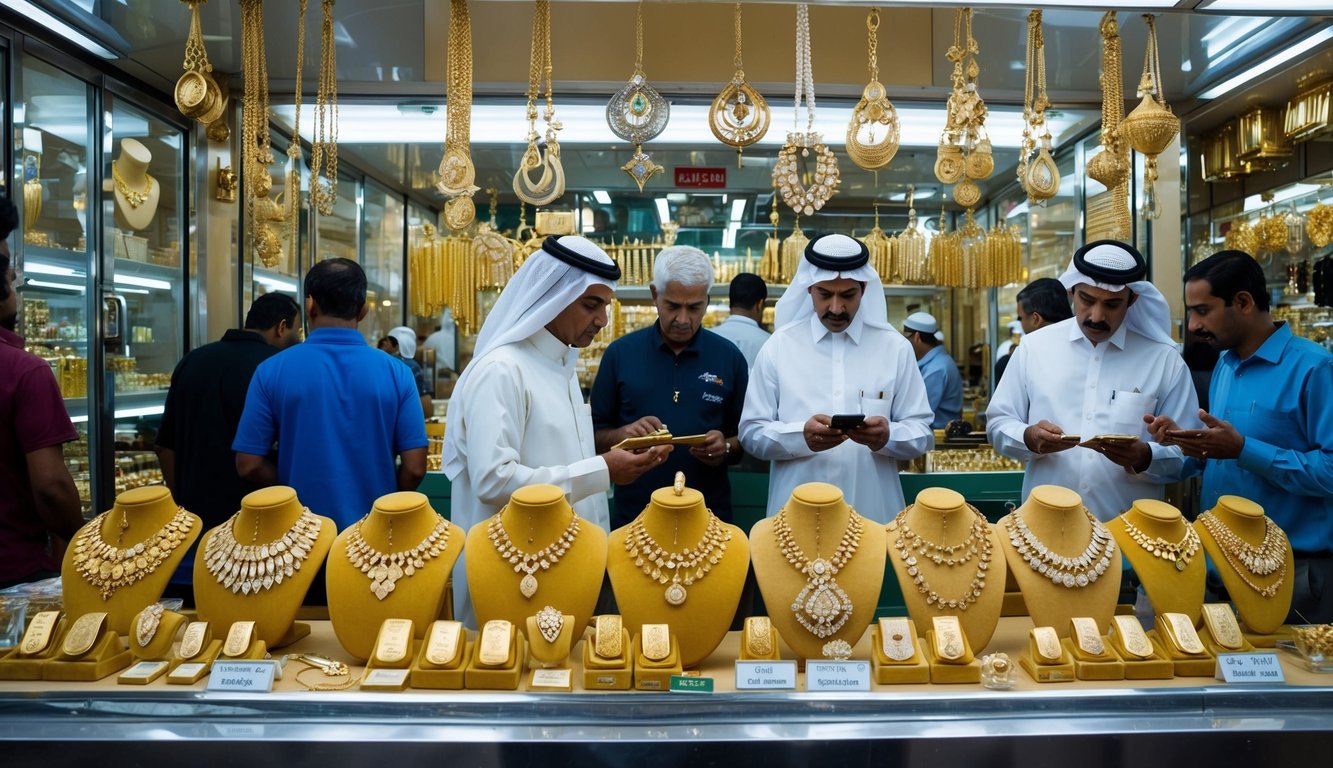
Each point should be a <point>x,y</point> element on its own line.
<point>912,548</point>
<point>324,143</point>
<point>1037,173</point>
<point>637,113</point>
<point>739,116</point>
<point>1179,553</point>
<point>256,145</point>
<point>292,187</point>
<point>1248,560</point>
<point>822,607</point>
<point>109,568</point>
<point>493,253</point>
<point>873,111</point>
<point>1150,127</point>
<point>253,567</point>
<point>456,172</point>
<point>1110,167</point>
<point>386,568</point>
<point>682,569</point>
<point>551,185</point>
<point>787,176</point>
<point>528,563</point>
<point>964,152</point>
<point>1068,572</point>
<point>133,197</point>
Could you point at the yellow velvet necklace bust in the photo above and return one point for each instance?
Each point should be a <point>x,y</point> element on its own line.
<point>144,512</point>
<point>406,519</point>
<point>700,623</point>
<point>817,512</point>
<point>1246,520</point>
<point>535,517</point>
<point>265,516</point>
<point>1056,516</point>
<point>942,517</point>
<point>1169,589</point>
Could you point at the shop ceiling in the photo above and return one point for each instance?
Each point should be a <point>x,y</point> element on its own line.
<point>392,53</point>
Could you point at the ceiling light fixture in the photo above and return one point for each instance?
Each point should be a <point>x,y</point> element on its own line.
<point>1268,64</point>
<point>49,22</point>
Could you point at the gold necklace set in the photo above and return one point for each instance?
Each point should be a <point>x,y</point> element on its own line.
<point>457,174</point>
<point>912,549</point>
<point>1179,553</point>
<point>133,197</point>
<point>528,563</point>
<point>253,567</point>
<point>1068,572</point>
<point>1248,560</point>
<point>108,568</point>
<point>386,568</point>
<point>682,569</point>
<point>822,607</point>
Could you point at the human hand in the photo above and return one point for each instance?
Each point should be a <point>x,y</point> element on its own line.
<point>1158,426</point>
<point>819,436</point>
<point>873,432</point>
<point>625,466</point>
<point>644,426</point>
<point>1134,456</point>
<point>1217,440</point>
<point>713,451</point>
<point>1045,437</point>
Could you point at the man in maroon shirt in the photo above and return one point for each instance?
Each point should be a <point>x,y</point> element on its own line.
<point>39,506</point>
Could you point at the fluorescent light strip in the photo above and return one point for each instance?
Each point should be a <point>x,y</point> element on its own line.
<point>601,197</point>
<point>1268,64</point>
<point>663,211</point>
<point>1263,6</point>
<point>147,410</point>
<point>275,285</point>
<point>58,286</point>
<point>42,268</point>
<point>47,21</point>
<point>142,282</point>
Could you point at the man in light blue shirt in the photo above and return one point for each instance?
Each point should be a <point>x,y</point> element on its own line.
<point>944,385</point>
<point>742,328</point>
<point>1269,437</point>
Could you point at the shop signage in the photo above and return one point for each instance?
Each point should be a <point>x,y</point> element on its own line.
<point>765,675</point>
<point>1249,668</point>
<point>701,178</point>
<point>837,676</point>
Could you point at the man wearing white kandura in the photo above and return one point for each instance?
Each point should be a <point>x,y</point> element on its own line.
<point>517,415</point>
<point>1096,374</point>
<point>834,353</point>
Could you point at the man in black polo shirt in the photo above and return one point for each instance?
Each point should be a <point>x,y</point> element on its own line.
<point>204,406</point>
<point>674,373</point>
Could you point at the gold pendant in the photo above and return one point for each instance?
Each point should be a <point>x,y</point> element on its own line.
<point>1088,636</point>
<point>896,639</point>
<point>1132,636</point>
<point>1047,642</point>
<point>948,637</point>
<point>675,593</point>
<point>192,642</point>
<point>238,638</point>
<point>528,585</point>
<point>641,167</point>
<point>459,212</point>
<point>739,116</point>
<point>1182,633</point>
<point>550,622</point>
<point>145,626</point>
<point>1042,180</point>
<point>874,110</point>
<point>787,177</point>
<point>39,633</point>
<point>1222,625</point>
<point>551,185</point>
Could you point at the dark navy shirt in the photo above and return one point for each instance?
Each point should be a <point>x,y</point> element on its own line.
<point>701,389</point>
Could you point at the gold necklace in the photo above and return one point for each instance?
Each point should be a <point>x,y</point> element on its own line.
<point>874,110</point>
<point>637,113</point>
<point>528,563</point>
<point>787,176</point>
<point>908,541</point>
<point>739,116</point>
<point>109,568</point>
<point>386,568</point>
<point>252,567</point>
<point>1177,552</point>
<point>1068,572</point>
<point>134,197</point>
<point>1248,560</point>
<point>965,148</point>
<point>682,569</point>
<point>1037,172</point>
<point>324,142</point>
<point>822,607</point>
<point>456,173</point>
<point>1150,127</point>
<point>292,182</point>
<point>551,185</point>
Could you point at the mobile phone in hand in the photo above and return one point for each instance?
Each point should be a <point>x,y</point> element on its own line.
<point>846,421</point>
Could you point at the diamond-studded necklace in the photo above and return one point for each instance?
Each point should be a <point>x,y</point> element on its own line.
<point>254,567</point>
<point>978,542</point>
<point>528,563</point>
<point>386,568</point>
<point>682,569</point>
<point>1068,572</point>
<point>822,607</point>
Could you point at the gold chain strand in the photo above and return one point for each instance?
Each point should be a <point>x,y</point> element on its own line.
<point>134,197</point>
<point>528,563</point>
<point>1111,166</point>
<point>324,146</point>
<point>1179,553</point>
<point>551,185</point>
<point>1248,560</point>
<point>108,568</point>
<point>292,189</point>
<point>1037,172</point>
<point>196,55</point>
<point>456,173</point>
<point>256,149</point>
<point>822,606</point>
<point>874,110</point>
<point>977,545</point>
<point>637,113</point>
<point>386,568</point>
<point>680,569</point>
<point>247,568</point>
<point>738,116</point>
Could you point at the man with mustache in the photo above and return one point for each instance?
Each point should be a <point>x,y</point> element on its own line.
<point>1269,437</point>
<point>1096,373</point>
<point>677,374</point>
<point>834,352</point>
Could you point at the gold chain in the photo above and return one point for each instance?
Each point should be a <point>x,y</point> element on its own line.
<point>108,568</point>
<point>822,607</point>
<point>254,568</point>
<point>977,544</point>
<point>385,568</point>
<point>638,40</point>
<point>736,60</point>
<point>551,184</point>
<point>1113,99</point>
<point>1178,553</point>
<point>196,55</point>
<point>456,171</point>
<point>1248,560</point>
<point>133,197</point>
<point>872,26</point>
<point>292,189</point>
<point>324,146</point>
<point>528,563</point>
<point>256,148</point>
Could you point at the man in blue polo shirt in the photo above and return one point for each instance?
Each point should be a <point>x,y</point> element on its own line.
<point>338,409</point>
<point>674,373</point>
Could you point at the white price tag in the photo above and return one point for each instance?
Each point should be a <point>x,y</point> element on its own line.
<point>247,676</point>
<point>385,678</point>
<point>837,675</point>
<point>186,671</point>
<point>765,675</point>
<point>1249,668</point>
<point>551,678</point>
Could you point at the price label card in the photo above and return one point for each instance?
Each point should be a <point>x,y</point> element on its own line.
<point>552,678</point>
<point>837,676</point>
<point>186,671</point>
<point>392,679</point>
<point>765,675</point>
<point>1249,668</point>
<point>247,676</point>
<point>142,673</point>
<point>685,684</point>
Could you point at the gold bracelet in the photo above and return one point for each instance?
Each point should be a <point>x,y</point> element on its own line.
<point>329,668</point>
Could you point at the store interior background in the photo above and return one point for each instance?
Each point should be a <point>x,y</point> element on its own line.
<point>390,65</point>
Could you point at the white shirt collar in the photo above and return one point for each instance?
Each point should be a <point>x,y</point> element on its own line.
<point>853,332</point>
<point>1076,334</point>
